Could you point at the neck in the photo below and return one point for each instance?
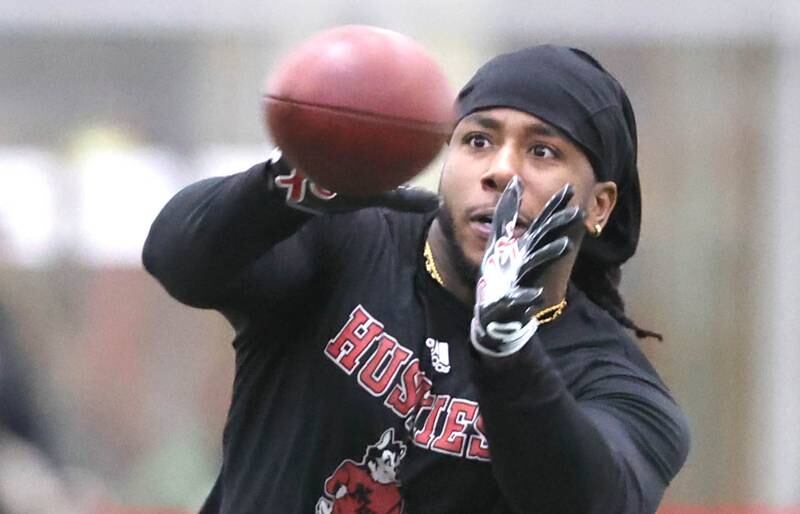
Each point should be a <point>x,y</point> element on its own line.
<point>554,286</point>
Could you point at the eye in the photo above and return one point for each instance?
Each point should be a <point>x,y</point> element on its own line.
<point>544,151</point>
<point>477,140</point>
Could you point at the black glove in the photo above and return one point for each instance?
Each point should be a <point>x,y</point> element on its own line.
<point>303,194</point>
<point>507,294</point>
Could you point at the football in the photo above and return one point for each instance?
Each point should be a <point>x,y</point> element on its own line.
<point>359,109</point>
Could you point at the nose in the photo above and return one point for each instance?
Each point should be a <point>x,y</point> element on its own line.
<point>505,164</point>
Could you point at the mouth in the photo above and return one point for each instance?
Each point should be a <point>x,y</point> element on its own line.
<point>481,221</point>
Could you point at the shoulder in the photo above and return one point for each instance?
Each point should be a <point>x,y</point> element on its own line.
<point>588,340</point>
<point>372,227</point>
<point>585,325</point>
<point>407,229</point>
<point>604,369</point>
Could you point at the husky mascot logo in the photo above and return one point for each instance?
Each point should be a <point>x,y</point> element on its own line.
<point>369,486</point>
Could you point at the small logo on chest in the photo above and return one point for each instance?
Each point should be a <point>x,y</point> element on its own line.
<point>440,355</point>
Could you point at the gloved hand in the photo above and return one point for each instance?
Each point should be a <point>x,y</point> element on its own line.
<point>507,294</point>
<point>303,194</point>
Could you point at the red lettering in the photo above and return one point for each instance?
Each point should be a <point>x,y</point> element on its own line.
<point>295,185</point>
<point>352,341</point>
<point>478,448</point>
<point>423,436</point>
<point>413,386</point>
<point>459,415</point>
<point>322,193</point>
<point>381,369</point>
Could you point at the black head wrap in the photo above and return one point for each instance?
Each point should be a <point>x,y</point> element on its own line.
<point>570,90</point>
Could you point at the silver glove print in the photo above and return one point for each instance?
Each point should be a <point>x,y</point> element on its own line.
<point>508,290</point>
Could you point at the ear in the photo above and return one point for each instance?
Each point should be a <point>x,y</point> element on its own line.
<point>385,439</point>
<point>601,204</point>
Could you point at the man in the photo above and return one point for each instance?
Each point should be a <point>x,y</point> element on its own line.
<point>485,336</point>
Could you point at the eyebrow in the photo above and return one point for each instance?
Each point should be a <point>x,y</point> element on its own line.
<point>484,121</point>
<point>544,130</point>
<point>537,128</point>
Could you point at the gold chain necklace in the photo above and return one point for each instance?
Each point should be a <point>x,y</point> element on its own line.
<point>545,315</point>
<point>430,264</point>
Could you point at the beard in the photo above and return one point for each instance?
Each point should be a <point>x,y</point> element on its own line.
<point>466,270</point>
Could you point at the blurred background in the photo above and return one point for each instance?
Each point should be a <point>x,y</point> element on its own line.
<point>114,393</point>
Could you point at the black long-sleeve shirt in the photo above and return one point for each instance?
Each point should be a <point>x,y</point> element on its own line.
<point>356,389</point>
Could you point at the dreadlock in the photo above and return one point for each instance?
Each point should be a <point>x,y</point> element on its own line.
<point>600,283</point>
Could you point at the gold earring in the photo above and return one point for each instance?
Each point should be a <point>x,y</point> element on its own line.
<point>598,229</point>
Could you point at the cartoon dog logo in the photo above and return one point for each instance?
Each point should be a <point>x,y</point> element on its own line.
<point>369,486</point>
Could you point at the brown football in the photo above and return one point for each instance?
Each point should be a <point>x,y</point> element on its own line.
<point>359,109</point>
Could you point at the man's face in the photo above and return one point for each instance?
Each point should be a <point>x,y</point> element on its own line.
<point>486,150</point>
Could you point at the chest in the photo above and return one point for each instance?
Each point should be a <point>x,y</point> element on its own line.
<point>398,349</point>
<point>396,357</point>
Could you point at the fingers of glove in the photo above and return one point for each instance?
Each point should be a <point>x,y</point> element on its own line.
<point>302,193</point>
<point>318,200</point>
<point>501,312</point>
<point>556,203</point>
<point>551,228</point>
<point>513,306</point>
<point>535,265</point>
<point>525,297</point>
<point>407,199</point>
<point>507,208</point>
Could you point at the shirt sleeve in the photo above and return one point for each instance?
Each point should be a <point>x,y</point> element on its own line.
<point>207,240</point>
<point>612,447</point>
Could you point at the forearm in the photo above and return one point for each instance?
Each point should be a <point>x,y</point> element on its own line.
<point>213,230</point>
<point>547,454</point>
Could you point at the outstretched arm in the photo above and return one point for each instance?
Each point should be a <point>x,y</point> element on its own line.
<point>613,446</point>
<point>254,237</point>
<point>613,450</point>
<point>209,235</point>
